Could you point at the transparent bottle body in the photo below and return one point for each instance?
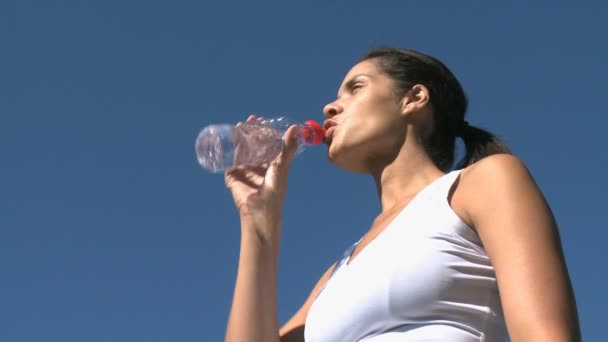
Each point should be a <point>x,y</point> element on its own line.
<point>223,146</point>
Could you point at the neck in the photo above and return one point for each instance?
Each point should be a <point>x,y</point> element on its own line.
<point>401,179</point>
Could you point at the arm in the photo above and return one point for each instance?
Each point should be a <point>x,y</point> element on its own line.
<point>253,315</point>
<point>258,195</point>
<point>258,192</point>
<point>520,235</point>
<point>254,308</point>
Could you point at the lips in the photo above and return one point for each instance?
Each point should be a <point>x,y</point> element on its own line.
<point>330,127</point>
<point>327,124</point>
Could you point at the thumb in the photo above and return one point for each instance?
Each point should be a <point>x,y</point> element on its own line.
<point>290,147</point>
<point>276,177</point>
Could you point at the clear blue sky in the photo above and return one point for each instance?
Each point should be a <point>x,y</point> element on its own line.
<point>109,229</point>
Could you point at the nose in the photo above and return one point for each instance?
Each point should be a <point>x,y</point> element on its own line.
<point>332,109</point>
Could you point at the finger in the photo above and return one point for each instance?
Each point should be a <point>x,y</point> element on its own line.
<point>242,180</point>
<point>229,177</point>
<point>278,172</point>
<point>259,170</point>
<point>251,118</point>
<point>249,176</point>
<point>290,147</point>
<point>280,166</point>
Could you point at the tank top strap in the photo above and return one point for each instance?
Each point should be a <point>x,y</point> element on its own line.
<point>445,184</point>
<point>440,197</point>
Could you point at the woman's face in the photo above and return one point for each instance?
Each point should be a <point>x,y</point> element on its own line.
<point>364,124</point>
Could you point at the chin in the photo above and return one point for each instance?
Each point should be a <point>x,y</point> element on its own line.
<point>347,160</point>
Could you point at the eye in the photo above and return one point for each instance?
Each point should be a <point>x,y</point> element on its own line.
<point>356,87</point>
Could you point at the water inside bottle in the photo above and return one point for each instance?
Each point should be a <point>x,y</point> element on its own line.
<point>256,144</point>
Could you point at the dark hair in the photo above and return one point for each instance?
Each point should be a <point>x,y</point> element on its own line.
<point>408,68</point>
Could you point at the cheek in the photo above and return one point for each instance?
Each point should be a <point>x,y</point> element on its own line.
<point>372,130</point>
<point>371,124</point>
<point>353,132</point>
<point>360,139</point>
<point>356,144</point>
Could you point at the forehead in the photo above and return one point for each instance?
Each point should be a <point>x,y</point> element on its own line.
<point>367,70</point>
<point>366,67</point>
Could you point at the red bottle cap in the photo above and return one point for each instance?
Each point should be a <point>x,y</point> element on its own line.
<point>318,130</point>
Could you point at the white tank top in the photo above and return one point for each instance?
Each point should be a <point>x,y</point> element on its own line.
<point>426,277</point>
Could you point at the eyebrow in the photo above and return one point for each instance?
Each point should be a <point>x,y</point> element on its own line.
<point>352,82</point>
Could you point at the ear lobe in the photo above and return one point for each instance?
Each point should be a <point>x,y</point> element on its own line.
<point>415,99</point>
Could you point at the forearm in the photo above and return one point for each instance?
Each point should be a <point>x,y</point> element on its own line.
<point>253,316</point>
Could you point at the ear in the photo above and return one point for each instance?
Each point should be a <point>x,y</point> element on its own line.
<point>415,99</point>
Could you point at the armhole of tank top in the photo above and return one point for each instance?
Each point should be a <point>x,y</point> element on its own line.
<point>446,199</point>
<point>339,263</point>
<point>345,257</point>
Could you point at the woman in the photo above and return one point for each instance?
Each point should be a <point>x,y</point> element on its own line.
<point>471,254</point>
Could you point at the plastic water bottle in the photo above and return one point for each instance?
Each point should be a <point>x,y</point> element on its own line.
<point>223,146</point>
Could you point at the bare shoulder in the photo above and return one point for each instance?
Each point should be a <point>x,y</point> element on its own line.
<point>494,173</point>
<point>493,177</point>
<point>494,167</point>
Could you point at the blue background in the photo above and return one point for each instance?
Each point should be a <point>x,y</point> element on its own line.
<point>109,229</point>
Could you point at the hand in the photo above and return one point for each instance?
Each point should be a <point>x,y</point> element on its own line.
<point>259,191</point>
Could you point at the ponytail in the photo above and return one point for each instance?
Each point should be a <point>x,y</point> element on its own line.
<point>479,144</point>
